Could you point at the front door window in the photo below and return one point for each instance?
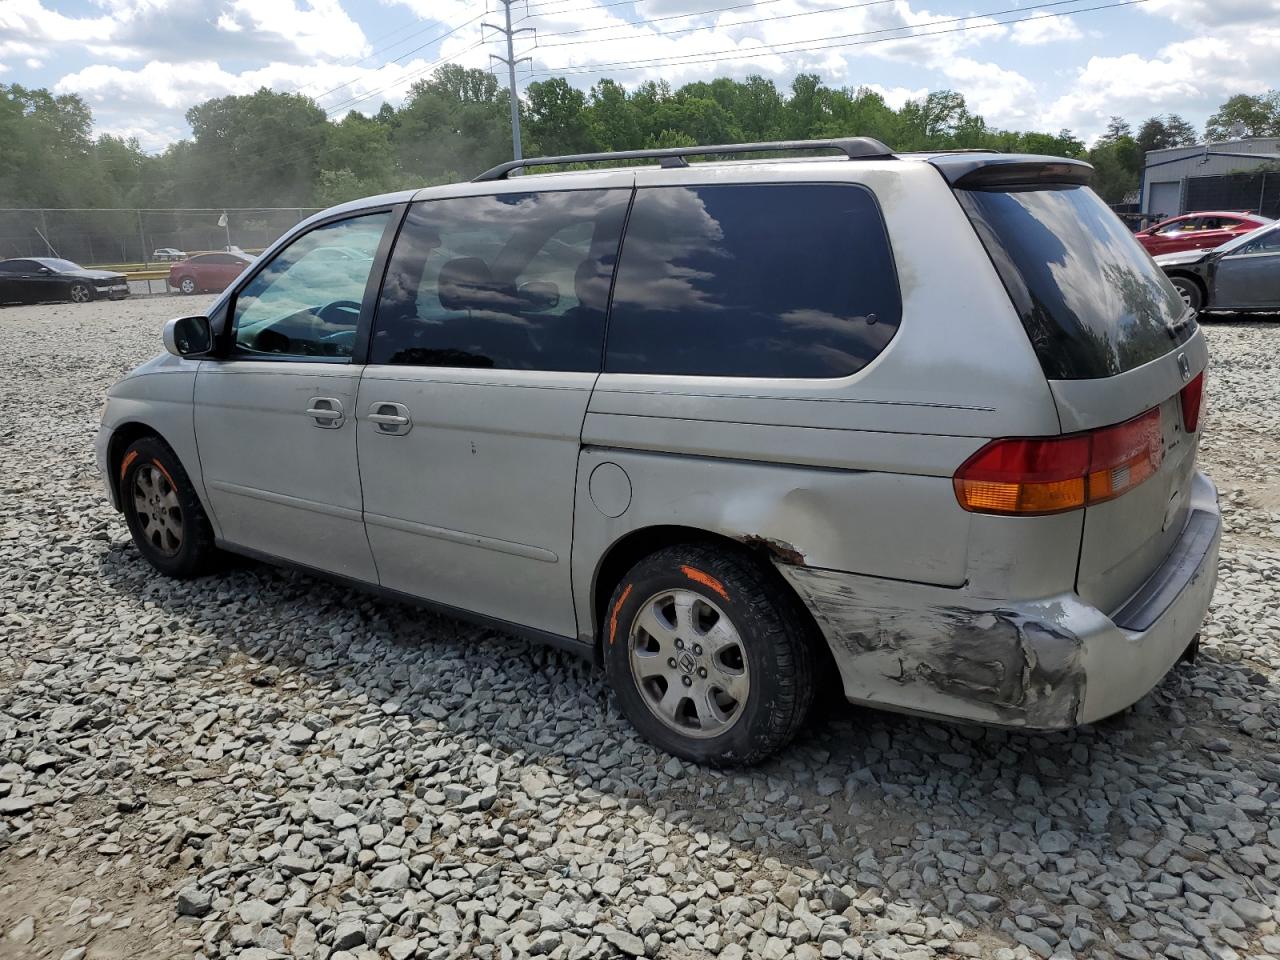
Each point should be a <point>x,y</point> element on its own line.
<point>306,302</point>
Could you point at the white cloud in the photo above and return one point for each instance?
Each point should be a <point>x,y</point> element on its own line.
<point>1197,15</point>
<point>1005,98</point>
<point>1043,28</point>
<point>149,101</point>
<point>176,30</point>
<point>317,27</point>
<point>1190,76</point>
<point>895,97</point>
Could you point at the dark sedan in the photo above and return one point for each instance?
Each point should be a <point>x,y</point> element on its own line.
<point>41,279</point>
<point>1241,275</point>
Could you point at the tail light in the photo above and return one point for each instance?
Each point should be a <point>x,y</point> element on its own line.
<point>1192,396</point>
<point>1036,477</point>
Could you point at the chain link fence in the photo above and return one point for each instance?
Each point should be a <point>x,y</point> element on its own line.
<point>130,237</point>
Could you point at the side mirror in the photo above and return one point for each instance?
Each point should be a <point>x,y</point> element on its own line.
<point>539,295</point>
<point>46,270</point>
<point>188,336</point>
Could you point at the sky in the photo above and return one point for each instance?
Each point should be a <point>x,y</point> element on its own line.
<point>1022,64</point>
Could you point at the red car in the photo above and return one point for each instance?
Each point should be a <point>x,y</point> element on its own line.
<point>1198,231</point>
<point>206,272</point>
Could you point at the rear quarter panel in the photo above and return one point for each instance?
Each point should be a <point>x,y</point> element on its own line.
<point>850,474</point>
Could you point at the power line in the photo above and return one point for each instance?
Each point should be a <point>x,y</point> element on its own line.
<point>772,49</point>
<point>347,104</point>
<point>431,42</point>
<point>730,26</point>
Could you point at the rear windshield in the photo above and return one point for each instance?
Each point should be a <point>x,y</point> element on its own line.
<point>1092,301</point>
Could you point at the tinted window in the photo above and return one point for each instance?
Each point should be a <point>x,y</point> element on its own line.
<point>54,263</point>
<point>1092,301</point>
<point>15,266</point>
<point>299,305</point>
<point>1267,243</point>
<point>515,281</point>
<point>792,280</point>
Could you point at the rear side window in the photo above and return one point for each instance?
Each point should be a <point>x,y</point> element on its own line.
<point>786,280</point>
<point>1092,301</point>
<point>516,281</point>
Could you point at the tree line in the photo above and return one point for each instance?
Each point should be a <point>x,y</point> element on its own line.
<point>281,149</point>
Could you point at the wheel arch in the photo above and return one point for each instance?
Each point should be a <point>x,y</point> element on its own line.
<point>122,437</point>
<point>635,545</point>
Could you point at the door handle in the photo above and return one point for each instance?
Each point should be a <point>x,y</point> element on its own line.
<point>391,419</point>
<point>326,412</point>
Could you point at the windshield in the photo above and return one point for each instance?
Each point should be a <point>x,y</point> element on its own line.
<point>1092,301</point>
<point>1241,240</point>
<point>56,264</point>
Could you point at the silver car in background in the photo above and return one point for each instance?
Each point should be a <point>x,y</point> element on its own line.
<point>1242,275</point>
<point>927,422</point>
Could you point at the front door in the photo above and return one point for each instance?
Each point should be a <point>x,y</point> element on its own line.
<point>1249,277</point>
<point>485,350</point>
<point>276,416</point>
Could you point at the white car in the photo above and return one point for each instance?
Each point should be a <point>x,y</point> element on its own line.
<point>168,253</point>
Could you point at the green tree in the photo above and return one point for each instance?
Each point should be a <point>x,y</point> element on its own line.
<point>1258,115</point>
<point>262,149</point>
<point>556,120</point>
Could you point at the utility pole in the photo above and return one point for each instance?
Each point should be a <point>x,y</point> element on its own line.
<point>511,61</point>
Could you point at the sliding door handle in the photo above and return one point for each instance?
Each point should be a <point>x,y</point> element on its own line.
<point>390,419</point>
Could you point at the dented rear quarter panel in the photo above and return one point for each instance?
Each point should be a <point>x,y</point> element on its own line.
<point>850,474</point>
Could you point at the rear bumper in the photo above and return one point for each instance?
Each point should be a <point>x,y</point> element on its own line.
<point>1042,664</point>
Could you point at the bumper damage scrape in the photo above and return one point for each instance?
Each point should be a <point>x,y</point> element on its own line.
<point>991,663</point>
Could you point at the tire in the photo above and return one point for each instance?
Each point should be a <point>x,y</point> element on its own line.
<point>79,292</point>
<point>165,517</point>
<point>745,700</point>
<point>1190,292</point>
<point>187,285</point>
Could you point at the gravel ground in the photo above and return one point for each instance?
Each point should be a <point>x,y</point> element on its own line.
<point>260,764</point>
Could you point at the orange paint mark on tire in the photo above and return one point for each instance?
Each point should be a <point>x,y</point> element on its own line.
<point>160,466</point>
<point>706,579</point>
<point>129,457</point>
<point>617,608</point>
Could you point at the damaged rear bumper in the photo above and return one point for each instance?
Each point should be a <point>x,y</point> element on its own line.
<point>1041,664</point>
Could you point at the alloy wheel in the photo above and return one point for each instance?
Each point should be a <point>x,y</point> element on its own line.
<point>689,663</point>
<point>79,293</point>
<point>155,501</point>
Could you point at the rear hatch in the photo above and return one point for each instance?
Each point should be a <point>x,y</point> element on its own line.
<point>1115,342</point>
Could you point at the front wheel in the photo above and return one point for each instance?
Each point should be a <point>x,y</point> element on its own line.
<point>709,655</point>
<point>165,517</point>
<point>80,293</point>
<point>1190,292</point>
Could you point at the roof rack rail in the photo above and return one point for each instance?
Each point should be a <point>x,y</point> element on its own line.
<point>854,148</point>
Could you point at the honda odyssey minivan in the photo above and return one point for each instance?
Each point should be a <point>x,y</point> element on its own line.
<point>929,421</point>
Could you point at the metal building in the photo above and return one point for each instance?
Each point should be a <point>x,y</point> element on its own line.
<point>1233,175</point>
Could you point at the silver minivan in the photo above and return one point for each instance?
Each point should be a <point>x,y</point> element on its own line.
<point>926,421</point>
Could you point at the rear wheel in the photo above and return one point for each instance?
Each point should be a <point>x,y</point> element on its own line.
<point>165,518</point>
<point>188,285</point>
<point>709,655</point>
<point>80,292</point>
<point>1190,292</point>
